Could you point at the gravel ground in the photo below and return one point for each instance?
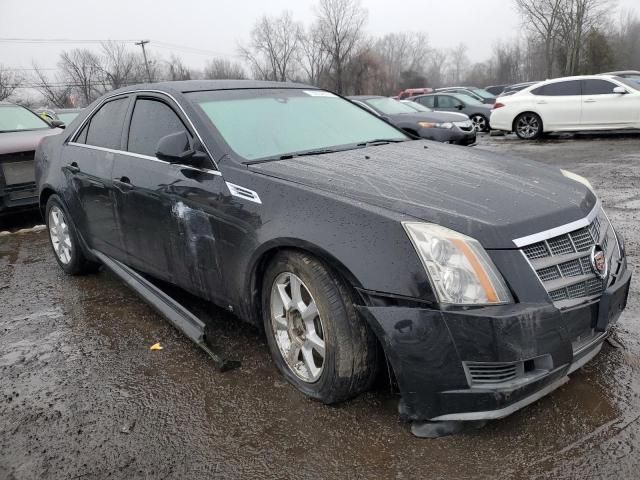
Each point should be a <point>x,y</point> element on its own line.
<point>82,396</point>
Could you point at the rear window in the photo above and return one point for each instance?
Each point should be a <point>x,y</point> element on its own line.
<point>559,89</point>
<point>105,127</point>
<point>426,101</point>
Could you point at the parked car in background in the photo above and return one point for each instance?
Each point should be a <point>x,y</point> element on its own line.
<point>495,90</point>
<point>20,132</point>
<point>67,115</point>
<point>409,92</point>
<point>570,104</point>
<point>477,93</point>
<point>354,248</point>
<point>633,75</point>
<point>444,127</point>
<point>477,111</point>
<point>511,89</point>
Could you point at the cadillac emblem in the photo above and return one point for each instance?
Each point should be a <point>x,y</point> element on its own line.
<point>599,261</point>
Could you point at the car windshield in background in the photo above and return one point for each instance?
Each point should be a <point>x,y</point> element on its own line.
<point>268,123</point>
<point>389,106</point>
<point>14,118</point>
<point>67,117</point>
<point>467,99</point>
<point>418,107</point>
<point>631,82</point>
<point>483,93</point>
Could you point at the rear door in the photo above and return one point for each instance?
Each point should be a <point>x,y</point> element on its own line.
<point>448,103</point>
<point>559,104</point>
<point>166,208</point>
<point>602,108</point>
<point>89,159</point>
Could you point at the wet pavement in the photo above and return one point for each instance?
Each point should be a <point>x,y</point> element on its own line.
<point>82,396</point>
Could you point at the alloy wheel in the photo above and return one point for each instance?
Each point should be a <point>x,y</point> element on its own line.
<point>297,327</point>
<point>479,123</point>
<point>528,126</point>
<point>60,236</point>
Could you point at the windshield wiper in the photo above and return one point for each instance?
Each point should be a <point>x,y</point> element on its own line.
<point>288,156</point>
<point>381,141</point>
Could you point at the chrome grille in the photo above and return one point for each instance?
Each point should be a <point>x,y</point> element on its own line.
<point>563,262</point>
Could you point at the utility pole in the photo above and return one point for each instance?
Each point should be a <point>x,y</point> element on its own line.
<point>142,43</point>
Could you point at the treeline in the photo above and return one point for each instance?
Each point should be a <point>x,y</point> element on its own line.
<point>335,51</point>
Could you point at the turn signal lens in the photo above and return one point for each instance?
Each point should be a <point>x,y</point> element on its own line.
<point>497,105</point>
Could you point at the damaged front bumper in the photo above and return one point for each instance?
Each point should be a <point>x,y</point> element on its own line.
<point>486,363</point>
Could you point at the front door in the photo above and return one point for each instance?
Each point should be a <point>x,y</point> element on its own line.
<point>602,108</point>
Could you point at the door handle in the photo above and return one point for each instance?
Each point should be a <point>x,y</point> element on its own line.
<point>589,100</point>
<point>542,102</point>
<point>72,167</point>
<point>123,184</point>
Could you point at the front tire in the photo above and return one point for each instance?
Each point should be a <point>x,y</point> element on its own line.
<point>528,126</point>
<point>480,123</point>
<point>63,239</point>
<point>317,339</point>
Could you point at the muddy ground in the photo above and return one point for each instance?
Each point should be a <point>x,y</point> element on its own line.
<point>82,396</point>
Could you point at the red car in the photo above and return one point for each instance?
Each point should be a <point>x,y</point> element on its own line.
<point>410,92</point>
<point>20,133</point>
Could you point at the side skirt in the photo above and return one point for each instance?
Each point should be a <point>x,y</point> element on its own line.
<point>174,312</point>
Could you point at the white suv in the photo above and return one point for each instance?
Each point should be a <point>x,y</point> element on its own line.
<point>590,102</point>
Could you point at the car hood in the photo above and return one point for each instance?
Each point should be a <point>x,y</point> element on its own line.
<point>439,117</point>
<point>24,141</point>
<point>490,197</point>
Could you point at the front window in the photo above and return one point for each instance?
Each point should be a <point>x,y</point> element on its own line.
<point>264,123</point>
<point>632,82</point>
<point>14,118</point>
<point>389,106</point>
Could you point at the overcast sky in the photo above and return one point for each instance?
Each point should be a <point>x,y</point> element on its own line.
<point>218,26</point>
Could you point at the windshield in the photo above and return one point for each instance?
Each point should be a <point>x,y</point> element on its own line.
<point>389,106</point>
<point>418,107</point>
<point>264,123</point>
<point>483,93</point>
<point>14,118</point>
<point>469,100</point>
<point>631,82</point>
<point>67,117</point>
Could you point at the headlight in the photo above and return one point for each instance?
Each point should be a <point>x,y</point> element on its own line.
<point>578,178</point>
<point>459,268</point>
<point>435,125</point>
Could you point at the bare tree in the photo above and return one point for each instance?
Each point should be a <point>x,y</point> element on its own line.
<point>436,68</point>
<point>542,17</point>
<point>312,57</point>
<point>176,70</point>
<point>459,61</point>
<point>56,92</point>
<point>9,81</point>
<point>403,57</point>
<point>273,48</point>
<point>83,72</point>
<point>117,65</point>
<point>341,24</point>
<point>222,69</point>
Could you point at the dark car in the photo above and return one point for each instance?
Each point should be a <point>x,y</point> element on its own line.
<point>20,132</point>
<point>483,281</point>
<point>478,93</point>
<point>445,127</point>
<point>478,112</point>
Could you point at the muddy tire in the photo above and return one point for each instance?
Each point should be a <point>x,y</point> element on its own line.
<point>63,239</point>
<point>316,338</point>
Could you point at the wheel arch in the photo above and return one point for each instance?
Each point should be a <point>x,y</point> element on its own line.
<point>45,194</point>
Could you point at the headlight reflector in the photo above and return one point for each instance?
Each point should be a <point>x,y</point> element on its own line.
<point>446,125</point>
<point>460,270</point>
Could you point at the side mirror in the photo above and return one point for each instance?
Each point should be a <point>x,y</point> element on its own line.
<point>175,148</point>
<point>57,123</point>
<point>459,106</point>
<point>620,90</point>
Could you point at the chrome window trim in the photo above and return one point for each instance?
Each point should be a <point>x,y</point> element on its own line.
<point>75,134</point>
<point>144,157</point>
<point>561,230</point>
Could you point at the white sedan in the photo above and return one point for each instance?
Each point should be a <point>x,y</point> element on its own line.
<point>569,104</point>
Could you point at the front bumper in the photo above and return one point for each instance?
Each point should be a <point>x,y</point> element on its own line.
<point>453,135</point>
<point>429,348</point>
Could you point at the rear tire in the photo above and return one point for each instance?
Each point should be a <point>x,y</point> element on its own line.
<point>316,338</point>
<point>480,123</point>
<point>64,241</point>
<point>528,126</point>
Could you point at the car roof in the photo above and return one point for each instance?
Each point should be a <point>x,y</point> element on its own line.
<point>622,72</point>
<point>185,86</point>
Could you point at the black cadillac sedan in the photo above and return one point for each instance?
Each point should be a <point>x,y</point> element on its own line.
<point>482,281</point>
